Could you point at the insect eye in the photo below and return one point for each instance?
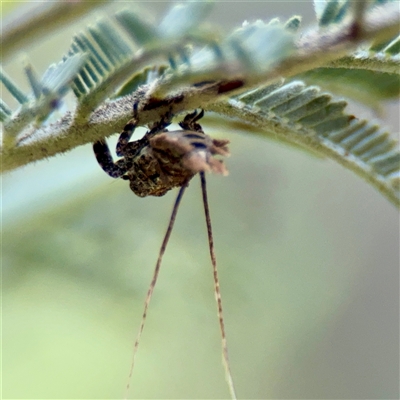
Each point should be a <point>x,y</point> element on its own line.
<point>125,177</point>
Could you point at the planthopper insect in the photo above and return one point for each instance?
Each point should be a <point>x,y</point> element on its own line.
<point>160,161</point>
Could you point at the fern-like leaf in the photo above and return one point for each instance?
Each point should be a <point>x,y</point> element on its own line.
<point>371,73</point>
<point>366,76</point>
<point>46,95</point>
<point>112,48</point>
<point>305,116</point>
<point>114,56</point>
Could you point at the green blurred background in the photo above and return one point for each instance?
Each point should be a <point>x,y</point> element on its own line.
<point>308,257</point>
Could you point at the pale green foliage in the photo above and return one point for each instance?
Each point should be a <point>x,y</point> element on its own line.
<point>127,55</point>
<point>308,253</point>
<point>308,117</point>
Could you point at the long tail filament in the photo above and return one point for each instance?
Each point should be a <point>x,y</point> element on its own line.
<point>154,280</point>
<point>217,292</point>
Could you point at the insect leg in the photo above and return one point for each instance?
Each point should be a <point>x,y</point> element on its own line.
<point>104,158</point>
<point>127,133</point>
<point>161,125</point>
<point>217,292</point>
<point>189,123</point>
<point>125,136</point>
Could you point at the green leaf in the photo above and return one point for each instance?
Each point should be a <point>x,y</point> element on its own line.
<point>319,7</point>
<point>144,77</point>
<point>48,93</point>
<point>57,77</point>
<point>364,86</point>
<point>293,23</point>
<point>34,81</point>
<point>5,111</point>
<point>303,115</point>
<point>183,18</point>
<point>393,47</point>
<point>12,87</point>
<point>329,13</point>
<point>260,45</point>
<point>367,76</point>
<point>137,28</point>
<point>206,68</point>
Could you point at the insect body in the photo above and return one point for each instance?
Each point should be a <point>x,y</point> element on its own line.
<point>162,159</point>
<point>158,162</point>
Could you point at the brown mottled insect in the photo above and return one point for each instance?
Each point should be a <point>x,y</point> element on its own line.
<point>160,161</point>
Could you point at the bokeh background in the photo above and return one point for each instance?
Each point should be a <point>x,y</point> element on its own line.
<point>308,257</point>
